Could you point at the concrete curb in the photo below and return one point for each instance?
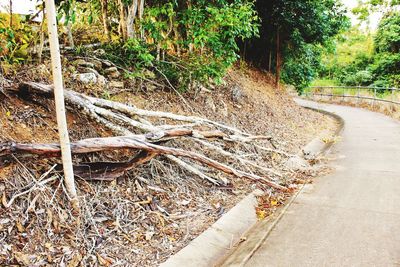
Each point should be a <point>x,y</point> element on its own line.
<point>317,147</point>
<point>239,226</point>
<point>217,240</point>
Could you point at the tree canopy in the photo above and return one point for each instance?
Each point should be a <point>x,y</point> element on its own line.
<point>364,58</point>
<point>294,30</point>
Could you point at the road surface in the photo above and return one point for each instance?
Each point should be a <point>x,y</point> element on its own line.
<point>352,216</point>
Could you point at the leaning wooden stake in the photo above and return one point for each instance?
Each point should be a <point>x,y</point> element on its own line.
<point>59,101</point>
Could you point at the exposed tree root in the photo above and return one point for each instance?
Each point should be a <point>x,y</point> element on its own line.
<point>127,142</point>
<point>140,132</point>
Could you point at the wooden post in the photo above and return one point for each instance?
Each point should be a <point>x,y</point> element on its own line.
<point>344,91</point>
<point>392,104</point>
<point>59,101</point>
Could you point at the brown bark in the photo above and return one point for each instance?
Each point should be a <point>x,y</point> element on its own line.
<point>130,25</point>
<point>122,20</point>
<point>106,171</point>
<point>128,142</point>
<point>106,25</point>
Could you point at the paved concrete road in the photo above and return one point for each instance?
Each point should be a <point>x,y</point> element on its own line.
<point>351,217</point>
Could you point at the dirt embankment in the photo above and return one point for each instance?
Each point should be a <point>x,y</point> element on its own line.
<point>154,210</point>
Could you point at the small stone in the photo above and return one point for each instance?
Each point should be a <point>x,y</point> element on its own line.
<point>112,72</point>
<point>101,80</point>
<point>83,63</point>
<point>107,63</point>
<point>116,84</point>
<point>86,78</point>
<point>91,70</point>
<point>100,52</point>
<point>237,94</point>
<point>97,64</point>
<point>296,163</point>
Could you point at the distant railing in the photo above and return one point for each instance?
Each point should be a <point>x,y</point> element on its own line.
<point>374,94</point>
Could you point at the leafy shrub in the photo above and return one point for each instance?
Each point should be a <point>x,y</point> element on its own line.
<point>14,42</point>
<point>301,66</point>
<point>362,77</point>
<point>207,39</point>
<point>133,52</point>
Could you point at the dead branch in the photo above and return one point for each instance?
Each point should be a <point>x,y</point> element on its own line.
<point>128,142</point>
<point>121,118</point>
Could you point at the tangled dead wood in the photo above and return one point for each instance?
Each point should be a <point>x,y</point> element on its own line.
<point>140,133</point>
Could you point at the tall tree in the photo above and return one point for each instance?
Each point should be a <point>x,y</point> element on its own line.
<point>289,25</point>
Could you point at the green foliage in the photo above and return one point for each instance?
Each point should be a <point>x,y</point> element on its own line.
<point>367,7</point>
<point>215,31</point>
<point>137,51</point>
<point>302,26</point>
<point>132,53</point>
<point>387,38</point>
<point>208,39</point>
<point>301,66</point>
<point>363,59</point>
<point>15,40</point>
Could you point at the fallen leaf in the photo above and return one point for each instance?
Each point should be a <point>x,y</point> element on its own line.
<point>149,235</point>
<point>274,202</point>
<point>76,259</point>
<point>261,214</point>
<point>4,200</point>
<point>22,258</point>
<point>103,261</point>
<point>20,227</point>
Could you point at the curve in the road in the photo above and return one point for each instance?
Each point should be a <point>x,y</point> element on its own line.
<point>352,216</point>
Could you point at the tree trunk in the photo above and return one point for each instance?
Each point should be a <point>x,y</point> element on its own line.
<point>140,14</point>
<point>278,59</point>
<point>132,12</point>
<point>270,60</point>
<point>11,15</point>
<point>122,20</point>
<point>41,40</point>
<point>70,36</point>
<point>176,39</point>
<point>106,25</point>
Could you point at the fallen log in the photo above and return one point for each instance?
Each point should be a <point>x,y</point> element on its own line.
<point>97,105</point>
<point>108,171</point>
<point>128,142</point>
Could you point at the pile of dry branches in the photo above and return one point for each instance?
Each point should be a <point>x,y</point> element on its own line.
<point>151,133</point>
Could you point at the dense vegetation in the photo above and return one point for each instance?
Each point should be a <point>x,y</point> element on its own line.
<point>186,41</point>
<point>364,58</point>
<point>195,42</point>
<point>291,36</point>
